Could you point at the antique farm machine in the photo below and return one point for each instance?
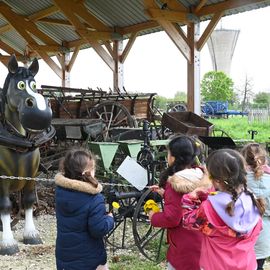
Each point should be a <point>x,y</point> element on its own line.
<point>127,169</point>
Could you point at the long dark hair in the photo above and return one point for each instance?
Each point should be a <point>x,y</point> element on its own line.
<point>228,167</point>
<point>184,150</point>
<point>255,157</point>
<point>74,164</point>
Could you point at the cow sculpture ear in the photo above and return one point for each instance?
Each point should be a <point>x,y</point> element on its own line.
<point>34,67</point>
<point>13,64</point>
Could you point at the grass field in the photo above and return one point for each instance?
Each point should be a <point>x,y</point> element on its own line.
<point>134,261</point>
<point>237,128</point>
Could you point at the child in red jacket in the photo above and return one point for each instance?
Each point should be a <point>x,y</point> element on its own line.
<point>180,177</point>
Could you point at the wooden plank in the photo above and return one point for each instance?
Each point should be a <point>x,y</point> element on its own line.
<point>168,15</point>
<point>97,35</point>
<point>69,11</point>
<point>55,21</point>
<point>103,54</point>
<point>209,29</point>
<point>200,5</point>
<point>177,39</point>
<point>23,26</point>
<point>108,46</point>
<point>5,28</point>
<point>150,4</point>
<point>139,27</point>
<point>5,47</point>
<point>73,58</point>
<point>226,5</point>
<point>85,14</point>
<point>51,88</point>
<point>74,122</point>
<point>176,5</point>
<point>51,63</point>
<point>128,47</point>
<point>193,74</point>
<point>43,13</point>
<point>46,48</point>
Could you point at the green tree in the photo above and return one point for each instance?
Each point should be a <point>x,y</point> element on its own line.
<point>180,96</point>
<point>262,98</point>
<point>161,102</point>
<point>216,85</point>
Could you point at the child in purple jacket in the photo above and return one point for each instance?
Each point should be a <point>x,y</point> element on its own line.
<point>230,221</point>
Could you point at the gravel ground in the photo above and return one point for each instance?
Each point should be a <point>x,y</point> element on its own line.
<point>39,257</point>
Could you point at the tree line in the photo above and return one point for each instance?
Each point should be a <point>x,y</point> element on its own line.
<point>216,85</point>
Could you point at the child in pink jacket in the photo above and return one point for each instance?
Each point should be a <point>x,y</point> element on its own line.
<point>181,177</point>
<point>230,221</point>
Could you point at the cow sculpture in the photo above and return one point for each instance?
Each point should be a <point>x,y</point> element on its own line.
<point>25,125</point>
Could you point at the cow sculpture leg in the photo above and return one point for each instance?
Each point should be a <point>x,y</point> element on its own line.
<point>9,245</point>
<point>30,234</point>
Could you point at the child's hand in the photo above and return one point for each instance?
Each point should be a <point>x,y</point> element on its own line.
<point>150,214</point>
<point>159,190</point>
<point>200,193</point>
<point>110,214</point>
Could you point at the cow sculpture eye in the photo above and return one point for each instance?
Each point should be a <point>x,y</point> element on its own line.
<point>33,85</point>
<point>21,85</point>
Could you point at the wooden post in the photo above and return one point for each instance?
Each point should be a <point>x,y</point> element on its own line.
<point>65,72</point>
<point>193,66</point>
<point>118,73</point>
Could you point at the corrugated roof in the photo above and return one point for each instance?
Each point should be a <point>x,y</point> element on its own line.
<point>116,14</point>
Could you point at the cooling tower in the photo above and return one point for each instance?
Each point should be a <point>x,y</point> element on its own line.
<point>221,45</point>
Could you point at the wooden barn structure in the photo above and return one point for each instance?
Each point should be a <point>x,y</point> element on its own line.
<point>46,28</point>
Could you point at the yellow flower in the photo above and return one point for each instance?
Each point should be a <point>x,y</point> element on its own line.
<point>115,205</point>
<point>151,205</point>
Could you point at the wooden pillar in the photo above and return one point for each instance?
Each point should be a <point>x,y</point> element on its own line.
<point>65,59</point>
<point>118,73</point>
<point>193,67</point>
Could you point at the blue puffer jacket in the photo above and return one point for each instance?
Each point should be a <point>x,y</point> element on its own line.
<point>82,223</point>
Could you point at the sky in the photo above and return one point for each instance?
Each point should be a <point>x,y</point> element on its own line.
<point>154,64</point>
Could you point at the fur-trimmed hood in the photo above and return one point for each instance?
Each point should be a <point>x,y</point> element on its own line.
<point>187,180</point>
<point>77,185</point>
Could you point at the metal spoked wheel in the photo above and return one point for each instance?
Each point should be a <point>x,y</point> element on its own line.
<point>207,110</point>
<point>149,240</point>
<point>217,132</point>
<point>121,236</point>
<point>113,114</point>
<point>146,159</point>
<point>180,107</point>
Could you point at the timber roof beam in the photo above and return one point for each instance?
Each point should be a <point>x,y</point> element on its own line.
<point>168,23</point>
<point>95,23</point>
<point>26,29</point>
<point>72,11</point>
<point>225,5</point>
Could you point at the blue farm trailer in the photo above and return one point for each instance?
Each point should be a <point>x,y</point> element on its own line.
<point>218,108</point>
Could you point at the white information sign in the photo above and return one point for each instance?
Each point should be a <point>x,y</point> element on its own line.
<point>133,172</point>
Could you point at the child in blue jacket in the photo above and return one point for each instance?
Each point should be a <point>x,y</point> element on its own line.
<point>82,221</point>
